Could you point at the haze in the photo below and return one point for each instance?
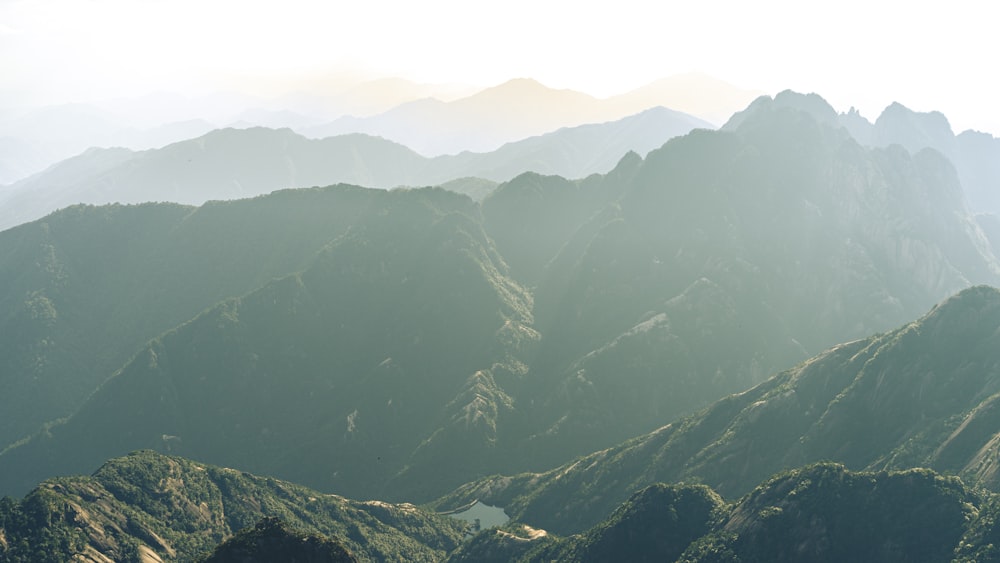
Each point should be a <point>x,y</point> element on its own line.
<point>928,57</point>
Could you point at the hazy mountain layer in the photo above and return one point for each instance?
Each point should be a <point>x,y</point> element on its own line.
<point>975,155</point>
<point>923,395</point>
<point>522,107</point>
<point>224,164</point>
<point>150,507</point>
<point>235,163</point>
<point>34,139</point>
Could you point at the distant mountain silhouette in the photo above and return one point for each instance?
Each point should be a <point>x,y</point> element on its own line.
<point>522,108</point>
<point>234,163</point>
<point>36,138</point>
<point>975,155</point>
<point>698,94</point>
<point>33,140</point>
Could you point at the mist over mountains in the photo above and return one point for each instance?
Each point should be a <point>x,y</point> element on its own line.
<point>433,119</point>
<point>523,108</point>
<point>235,163</point>
<point>974,154</point>
<point>734,308</point>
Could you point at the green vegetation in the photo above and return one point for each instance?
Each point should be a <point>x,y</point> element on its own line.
<point>148,505</point>
<point>923,395</point>
<point>826,513</point>
<point>272,540</point>
<point>334,377</point>
<point>179,509</point>
<point>820,512</point>
<point>135,272</point>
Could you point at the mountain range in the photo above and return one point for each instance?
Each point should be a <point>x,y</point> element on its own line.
<point>975,155</point>
<point>922,395</point>
<point>424,340</point>
<point>150,507</point>
<point>460,117</point>
<point>523,108</point>
<point>235,163</point>
<point>782,319</point>
<point>821,512</point>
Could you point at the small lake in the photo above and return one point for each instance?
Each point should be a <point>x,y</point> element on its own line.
<point>488,516</point>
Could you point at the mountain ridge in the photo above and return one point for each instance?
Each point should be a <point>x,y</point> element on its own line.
<point>523,107</point>
<point>215,165</point>
<point>872,404</point>
<point>147,506</point>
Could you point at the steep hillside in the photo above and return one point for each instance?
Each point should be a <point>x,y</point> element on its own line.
<point>82,290</point>
<point>826,513</point>
<point>719,259</point>
<point>990,224</point>
<point>380,370</point>
<point>922,395</point>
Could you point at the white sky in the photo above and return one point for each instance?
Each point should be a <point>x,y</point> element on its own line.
<point>926,55</point>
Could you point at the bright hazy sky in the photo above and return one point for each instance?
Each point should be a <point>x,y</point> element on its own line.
<point>926,55</point>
